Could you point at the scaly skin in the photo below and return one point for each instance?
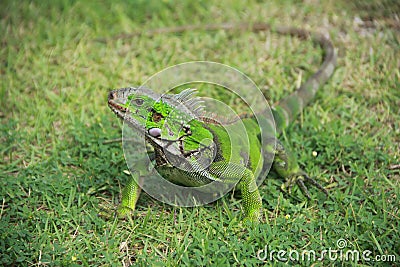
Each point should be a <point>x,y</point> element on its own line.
<point>161,119</point>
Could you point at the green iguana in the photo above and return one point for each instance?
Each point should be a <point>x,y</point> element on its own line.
<point>160,119</point>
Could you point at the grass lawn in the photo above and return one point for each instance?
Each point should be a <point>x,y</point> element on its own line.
<point>60,182</point>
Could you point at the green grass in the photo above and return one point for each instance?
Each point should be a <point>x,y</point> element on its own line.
<point>60,183</point>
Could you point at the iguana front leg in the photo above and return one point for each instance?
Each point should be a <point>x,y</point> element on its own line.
<point>131,192</point>
<point>252,202</point>
<point>285,164</point>
<point>130,195</point>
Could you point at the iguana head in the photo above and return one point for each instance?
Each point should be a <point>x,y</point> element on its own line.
<point>132,104</point>
<point>168,122</point>
<point>145,110</point>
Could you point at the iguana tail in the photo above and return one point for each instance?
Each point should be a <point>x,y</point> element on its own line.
<point>286,109</point>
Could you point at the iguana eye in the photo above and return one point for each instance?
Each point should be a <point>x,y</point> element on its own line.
<point>139,101</point>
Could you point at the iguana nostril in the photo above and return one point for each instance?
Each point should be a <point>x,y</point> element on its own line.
<point>111,95</point>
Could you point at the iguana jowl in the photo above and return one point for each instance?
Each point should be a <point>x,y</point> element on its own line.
<point>151,114</point>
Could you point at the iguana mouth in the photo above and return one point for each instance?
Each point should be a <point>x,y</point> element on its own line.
<point>115,103</point>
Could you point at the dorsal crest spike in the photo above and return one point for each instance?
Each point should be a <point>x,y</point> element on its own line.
<point>188,99</point>
<point>185,95</point>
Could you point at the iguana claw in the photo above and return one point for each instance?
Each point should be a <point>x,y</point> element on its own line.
<point>123,211</point>
<point>300,179</point>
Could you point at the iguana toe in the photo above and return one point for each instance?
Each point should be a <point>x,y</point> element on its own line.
<point>123,211</point>
<point>301,179</point>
